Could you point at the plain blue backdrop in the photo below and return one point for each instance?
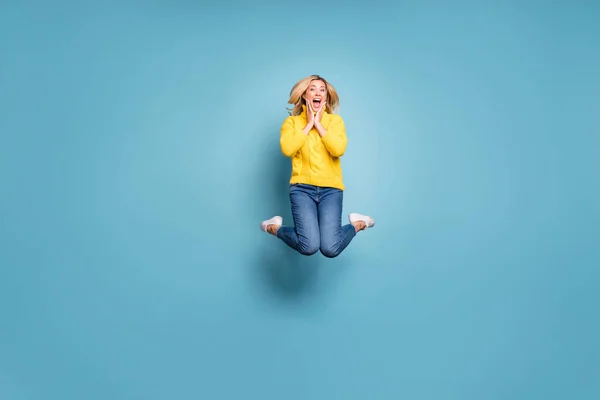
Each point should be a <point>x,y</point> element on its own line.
<point>140,151</point>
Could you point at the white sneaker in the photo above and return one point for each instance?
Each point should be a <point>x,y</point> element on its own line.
<point>353,217</point>
<point>277,220</point>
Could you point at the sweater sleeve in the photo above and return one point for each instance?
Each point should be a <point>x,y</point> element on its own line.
<point>335,139</point>
<point>291,138</point>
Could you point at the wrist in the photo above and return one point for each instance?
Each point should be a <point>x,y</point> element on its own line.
<point>307,128</point>
<point>320,128</point>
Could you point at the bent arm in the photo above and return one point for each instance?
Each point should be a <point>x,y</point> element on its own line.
<point>291,138</point>
<point>334,138</point>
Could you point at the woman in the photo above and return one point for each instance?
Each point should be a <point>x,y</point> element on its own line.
<point>315,139</point>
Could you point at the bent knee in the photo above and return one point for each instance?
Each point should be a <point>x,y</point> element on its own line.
<point>329,251</point>
<point>309,249</point>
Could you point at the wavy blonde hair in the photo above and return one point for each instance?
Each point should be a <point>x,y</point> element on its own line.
<point>333,100</point>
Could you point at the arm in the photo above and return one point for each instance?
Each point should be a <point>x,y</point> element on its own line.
<point>292,138</point>
<point>334,138</point>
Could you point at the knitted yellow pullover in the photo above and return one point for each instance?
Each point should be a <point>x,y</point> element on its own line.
<point>315,159</point>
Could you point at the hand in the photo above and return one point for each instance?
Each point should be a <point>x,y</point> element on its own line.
<point>310,118</point>
<point>310,114</point>
<point>317,119</point>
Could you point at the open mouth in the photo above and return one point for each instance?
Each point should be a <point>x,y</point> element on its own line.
<point>316,103</point>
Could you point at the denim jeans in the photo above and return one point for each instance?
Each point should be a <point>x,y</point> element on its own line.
<point>317,213</point>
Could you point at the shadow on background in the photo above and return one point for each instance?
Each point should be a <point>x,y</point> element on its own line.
<point>286,274</point>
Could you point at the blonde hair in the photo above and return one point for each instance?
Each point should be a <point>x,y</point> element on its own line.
<point>300,88</point>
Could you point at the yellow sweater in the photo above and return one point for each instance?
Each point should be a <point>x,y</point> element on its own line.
<point>315,159</point>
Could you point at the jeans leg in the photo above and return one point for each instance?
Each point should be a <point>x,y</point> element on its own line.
<point>304,235</point>
<point>334,237</point>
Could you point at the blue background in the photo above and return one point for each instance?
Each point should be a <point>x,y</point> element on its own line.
<point>140,152</point>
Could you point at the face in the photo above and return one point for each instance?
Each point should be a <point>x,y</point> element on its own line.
<point>316,94</point>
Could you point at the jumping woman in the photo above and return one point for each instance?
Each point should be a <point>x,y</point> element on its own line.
<point>315,140</point>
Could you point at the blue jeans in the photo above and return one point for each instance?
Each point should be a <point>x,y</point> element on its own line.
<point>317,213</point>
